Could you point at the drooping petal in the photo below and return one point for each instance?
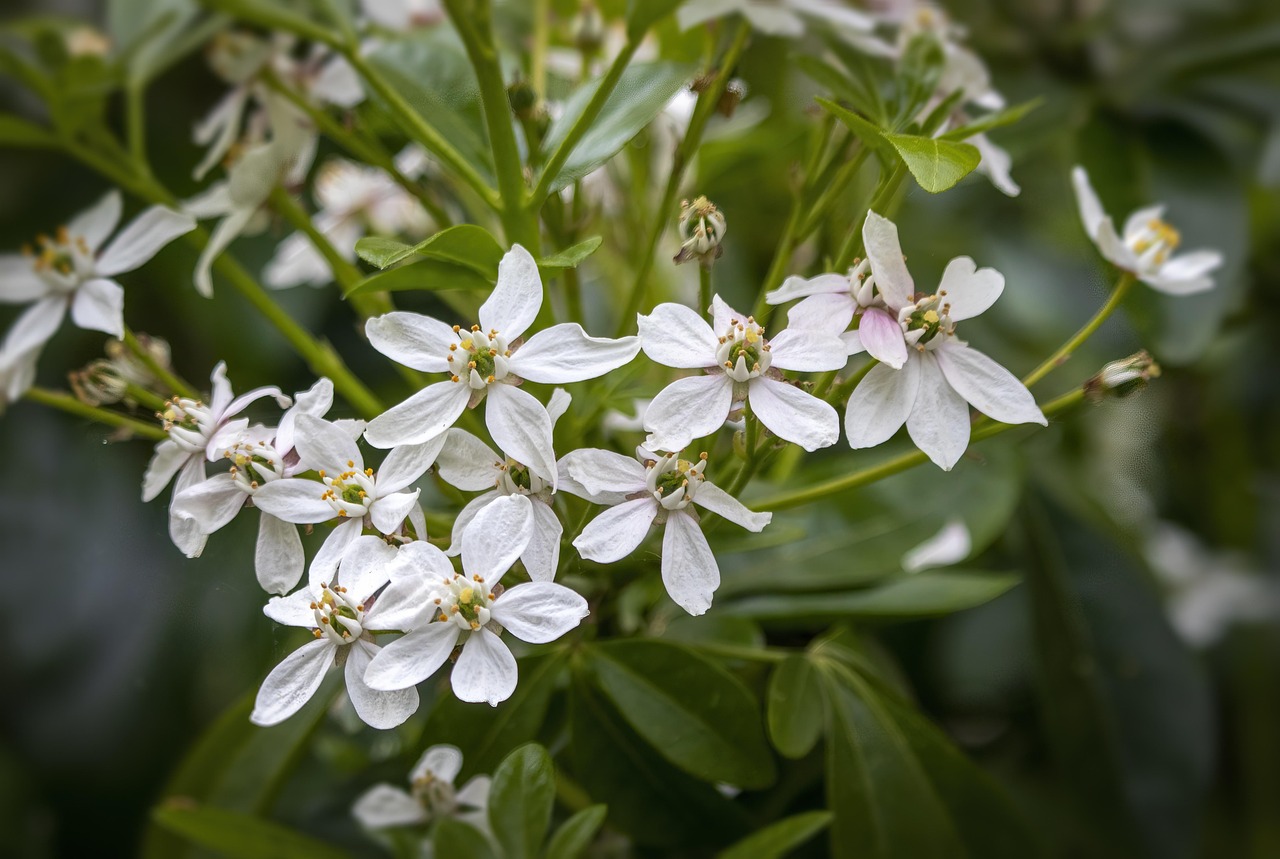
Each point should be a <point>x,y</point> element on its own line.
<point>463,520</point>
<point>1091,211</point>
<point>291,684</point>
<point>793,414</point>
<point>296,500</point>
<point>442,761</point>
<point>880,236</point>
<point>565,353</point>
<point>497,537</point>
<point>542,556</point>
<point>468,463</point>
<point>795,287</point>
<point>388,511</point>
<point>675,336</point>
<point>774,20</point>
<point>186,534</point>
<point>522,428</point>
<point>968,290</point>
<point>600,472</point>
<point>164,464</point>
<point>210,504</point>
<point>939,420</point>
<point>99,306</point>
<point>383,806</point>
<point>19,282</point>
<point>830,313</point>
<point>486,670</point>
<point>617,532</point>
<point>97,222</point>
<point>538,612</point>
<point>881,404</point>
<point>413,340</point>
<point>514,303</point>
<point>420,418</point>
<point>881,336</point>
<point>406,463</point>
<point>951,545</point>
<point>226,232</point>
<point>807,350</point>
<point>995,165</point>
<point>324,566</point>
<point>688,408</point>
<point>376,708</point>
<point>990,388</point>
<point>141,239</point>
<point>713,498</point>
<point>409,660</point>
<point>278,558</point>
<point>689,569</point>
<point>33,328</point>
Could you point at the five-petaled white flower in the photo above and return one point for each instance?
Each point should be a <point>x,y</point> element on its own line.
<point>343,614</point>
<point>431,795</point>
<point>74,269</point>
<point>488,362</point>
<point>740,365</point>
<point>1147,245</point>
<point>471,605</point>
<point>655,488</point>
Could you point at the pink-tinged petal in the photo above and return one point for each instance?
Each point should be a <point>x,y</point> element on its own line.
<point>278,558</point>
<point>949,546</point>
<point>602,472</point>
<point>830,314</point>
<point>33,328</point>
<point>164,464</point>
<point>463,520</point>
<point>722,315</point>
<point>383,806</point>
<point>793,414</point>
<point>96,223</point>
<point>520,425</point>
<point>413,340</point>
<point>881,404</point>
<point>617,532</point>
<point>211,504</point>
<point>1091,212</point>
<point>881,335</point>
<point>939,421</point>
<point>542,556</point>
<point>389,511</point>
<point>989,388</point>
<point>689,569</point>
<point>563,354</point>
<point>880,236</point>
<point>19,282</point>
<point>407,661</point>
<point>802,287</point>
<point>142,239</point>
<point>406,463</point>
<point>496,537</point>
<point>99,306</point>
<point>420,418</point>
<point>713,498</point>
<point>468,463</point>
<point>291,684</point>
<point>675,336</point>
<point>686,409</point>
<point>968,290</point>
<point>538,612</point>
<point>442,761</point>
<point>296,500</point>
<point>806,350</point>
<point>376,708</point>
<point>324,566</point>
<point>514,303</point>
<point>486,670</point>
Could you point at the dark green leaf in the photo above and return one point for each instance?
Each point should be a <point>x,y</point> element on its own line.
<point>571,256</point>
<point>22,134</point>
<point>465,245</point>
<point>273,15</point>
<point>869,134</point>
<point>521,800</point>
<point>778,840</point>
<point>936,164</point>
<point>643,14</point>
<point>454,839</point>
<point>794,706</point>
<point>241,836</point>
<point>426,274</point>
<point>576,833</point>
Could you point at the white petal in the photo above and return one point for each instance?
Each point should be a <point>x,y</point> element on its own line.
<point>389,511</point>
<point>830,313</point>
<point>486,670</point>
<point>1186,274</point>
<point>407,603</point>
<point>722,315</point>
<point>278,558</point>
<point>139,242</point>
<point>514,303</point>
<point>939,420</point>
<point>713,498</point>
<point>1113,247</point>
<point>881,336</point>
<point>19,282</point>
<point>538,612</point>
<point>291,684</point>
<point>675,336</point>
<point>99,306</point>
<point>322,445</point>
<point>164,464</point>
<point>990,388</point>
<point>558,404</point>
<point>880,236</point>
<point>1140,218</point>
<point>413,340</point>
<point>691,14</point>
<point>442,761</point>
<point>793,414</point>
<point>366,565</point>
<point>383,806</point>
<point>464,518</point>
<point>497,537</point>
<point>98,222</point>
<point>542,556</point>
<point>420,418</point>
<point>187,535</point>
<point>337,84</point>
<point>969,290</point>
<point>412,658</point>
<point>33,328</point>
<point>617,532</point>
<point>563,354</point>
<point>807,350</point>
<point>949,546</point>
<point>995,165</point>
<point>686,409</point>
<point>773,21</point>
<point>406,463</point>
<point>324,566</point>
<point>292,610</point>
<point>226,232</point>
<point>315,401</point>
<point>1091,211</point>
<point>689,569</point>
<point>211,504</point>
<point>376,708</point>
<point>520,425</point>
<point>467,463</point>
<point>881,404</point>
<point>604,471</point>
<point>802,287</point>
<point>296,500</point>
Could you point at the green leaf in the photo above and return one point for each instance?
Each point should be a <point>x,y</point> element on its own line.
<point>919,71</point>
<point>425,274</point>
<point>643,14</point>
<point>780,839</point>
<point>572,256</point>
<point>273,15</point>
<point>715,735</point>
<point>794,706</point>
<point>936,164</point>
<point>465,245</point>
<point>992,121</point>
<point>454,839</point>
<point>521,800</point>
<point>24,135</point>
<point>576,834</point>
<point>869,134</point>
<point>241,836</point>
<point>642,91</point>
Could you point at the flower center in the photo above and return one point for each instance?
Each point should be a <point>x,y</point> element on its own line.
<point>188,422</point>
<point>60,260</point>
<point>350,492</point>
<point>253,464</point>
<point>465,602</point>
<point>925,319</point>
<point>338,616</point>
<point>478,357</point>
<point>674,481</point>
<point>743,351</point>
<point>435,795</point>
<point>517,479</point>
<point>1154,242</point>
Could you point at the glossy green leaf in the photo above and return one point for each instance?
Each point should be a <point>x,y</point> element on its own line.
<point>576,834</point>
<point>794,706</point>
<point>643,14</point>
<point>936,164</point>
<point>457,840</point>
<point>779,840</point>
<point>241,836</point>
<point>573,255</point>
<point>521,801</point>
<point>465,245</point>
<point>715,735</point>
<point>868,133</point>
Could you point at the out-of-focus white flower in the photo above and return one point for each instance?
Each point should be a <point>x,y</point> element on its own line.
<point>431,795</point>
<point>75,270</point>
<point>786,17</point>
<point>471,605</point>
<point>403,15</point>
<point>951,545</point>
<point>655,489</point>
<point>1146,247</point>
<point>740,365</point>
<point>488,362</point>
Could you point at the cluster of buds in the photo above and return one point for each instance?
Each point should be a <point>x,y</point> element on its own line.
<point>1122,378</point>
<point>105,381</point>
<point>702,228</point>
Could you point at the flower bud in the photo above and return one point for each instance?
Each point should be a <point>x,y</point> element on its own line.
<point>702,228</point>
<point>588,30</point>
<point>1122,378</point>
<point>87,42</point>
<point>98,384</point>
<point>734,92</point>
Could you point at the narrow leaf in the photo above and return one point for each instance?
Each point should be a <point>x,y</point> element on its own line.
<point>454,839</point>
<point>780,839</point>
<point>571,256</point>
<point>241,836</point>
<point>869,134</point>
<point>794,707</point>
<point>521,800</point>
<point>24,135</point>
<point>991,121</point>
<point>576,834</point>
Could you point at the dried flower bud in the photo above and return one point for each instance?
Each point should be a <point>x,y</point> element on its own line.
<point>734,92</point>
<point>702,228</point>
<point>1122,378</point>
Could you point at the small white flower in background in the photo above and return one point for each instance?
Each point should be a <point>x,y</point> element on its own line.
<point>343,614</point>
<point>345,489</point>
<point>431,795</point>
<point>741,365</point>
<point>471,465</point>
<point>655,489</point>
<point>1146,247</point>
<point>488,362</point>
<point>470,607</point>
<point>702,227</point>
<point>75,270</point>
<point>198,432</point>
<point>402,15</point>
<point>951,545</point>
<point>787,18</point>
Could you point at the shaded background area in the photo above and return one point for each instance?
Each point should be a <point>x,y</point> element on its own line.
<point>118,651</point>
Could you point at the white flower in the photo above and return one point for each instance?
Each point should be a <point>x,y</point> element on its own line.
<point>951,545</point>
<point>471,606</point>
<point>471,465</point>
<point>345,489</point>
<point>343,615</point>
<point>740,365</point>
<point>75,270</point>
<point>488,362</point>
<point>431,795</point>
<point>402,15</point>
<point>655,489</point>
<point>785,17</point>
<point>1147,245</point>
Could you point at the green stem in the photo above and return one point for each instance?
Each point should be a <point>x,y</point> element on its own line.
<point>879,204</point>
<point>136,120</point>
<point>541,41</point>
<point>69,404</point>
<point>1064,352</point>
<point>145,398</point>
<point>175,383</point>
<point>704,289</point>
